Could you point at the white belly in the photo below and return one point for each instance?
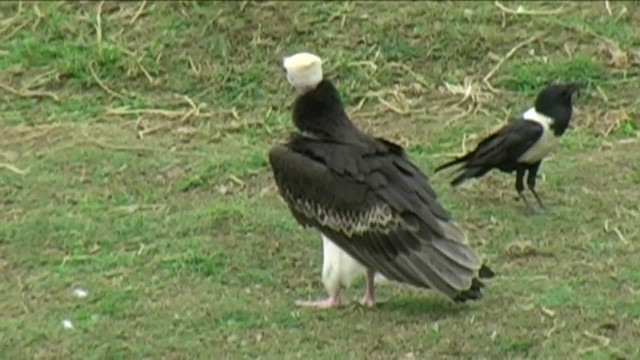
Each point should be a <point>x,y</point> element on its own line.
<point>545,144</point>
<point>543,147</point>
<point>338,268</point>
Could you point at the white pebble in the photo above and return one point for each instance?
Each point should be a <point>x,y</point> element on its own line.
<point>80,293</point>
<point>67,324</point>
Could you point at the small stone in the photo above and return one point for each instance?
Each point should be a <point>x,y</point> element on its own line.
<point>67,324</point>
<point>80,293</point>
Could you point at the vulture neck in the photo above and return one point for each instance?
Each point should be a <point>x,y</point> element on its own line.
<point>319,113</point>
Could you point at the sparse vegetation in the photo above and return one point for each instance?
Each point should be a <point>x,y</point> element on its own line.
<point>133,164</point>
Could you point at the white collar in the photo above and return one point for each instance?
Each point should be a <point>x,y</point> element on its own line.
<point>533,115</point>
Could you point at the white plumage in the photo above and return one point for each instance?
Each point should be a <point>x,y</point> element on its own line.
<point>304,70</point>
<point>547,141</point>
<point>338,268</point>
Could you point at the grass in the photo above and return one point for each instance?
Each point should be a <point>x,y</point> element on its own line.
<point>134,139</point>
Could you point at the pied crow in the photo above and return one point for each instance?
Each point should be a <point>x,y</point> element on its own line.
<point>522,144</point>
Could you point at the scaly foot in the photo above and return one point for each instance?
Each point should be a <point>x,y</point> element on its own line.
<point>328,303</point>
<point>367,301</point>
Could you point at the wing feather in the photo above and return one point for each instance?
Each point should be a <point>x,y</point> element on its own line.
<point>379,208</point>
<point>501,150</point>
<point>508,144</point>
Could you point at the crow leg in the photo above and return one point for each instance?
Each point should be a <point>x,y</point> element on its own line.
<point>520,188</point>
<point>531,183</point>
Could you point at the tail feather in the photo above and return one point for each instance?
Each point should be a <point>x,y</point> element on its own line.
<point>475,291</point>
<point>459,180</point>
<point>466,175</point>
<point>452,266</point>
<point>469,173</point>
<point>453,162</point>
<point>447,266</point>
<point>486,272</point>
<point>476,162</point>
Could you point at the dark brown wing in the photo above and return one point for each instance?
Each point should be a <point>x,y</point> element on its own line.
<point>379,208</point>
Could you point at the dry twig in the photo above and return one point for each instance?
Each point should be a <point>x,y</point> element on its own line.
<point>605,341</point>
<point>22,289</point>
<point>39,15</point>
<point>392,107</point>
<point>420,79</point>
<point>620,236</point>
<point>99,27</point>
<point>169,113</point>
<point>506,57</point>
<point>29,93</point>
<point>353,111</point>
<point>10,19</point>
<point>470,110</point>
<point>41,79</point>
<point>102,85</point>
<point>33,136</point>
<point>123,147</point>
<point>183,119</point>
<point>601,92</point>
<point>15,31</point>
<point>13,169</point>
<point>521,11</point>
<point>139,12</point>
<point>145,72</point>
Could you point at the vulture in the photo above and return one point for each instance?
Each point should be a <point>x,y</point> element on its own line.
<point>522,144</point>
<point>375,211</point>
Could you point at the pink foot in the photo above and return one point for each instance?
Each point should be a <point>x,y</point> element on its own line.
<point>328,303</point>
<point>368,301</point>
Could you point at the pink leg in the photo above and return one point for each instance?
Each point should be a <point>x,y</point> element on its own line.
<point>332,301</point>
<point>369,299</point>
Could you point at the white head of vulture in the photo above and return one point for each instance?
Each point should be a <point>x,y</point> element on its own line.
<point>304,70</point>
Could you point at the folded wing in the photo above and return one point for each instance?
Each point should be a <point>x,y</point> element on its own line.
<point>379,208</point>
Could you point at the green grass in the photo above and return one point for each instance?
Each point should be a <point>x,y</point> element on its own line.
<point>186,249</point>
